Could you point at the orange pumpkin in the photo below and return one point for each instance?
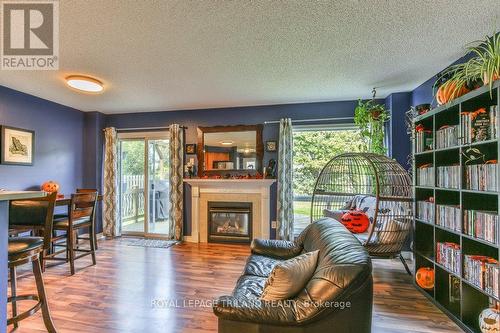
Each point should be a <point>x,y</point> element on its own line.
<point>50,186</point>
<point>425,277</point>
<point>447,92</point>
<point>356,221</point>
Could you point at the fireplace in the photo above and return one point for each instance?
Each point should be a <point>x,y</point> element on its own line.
<point>229,222</point>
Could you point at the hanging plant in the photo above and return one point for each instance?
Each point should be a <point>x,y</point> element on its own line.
<point>483,68</point>
<point>370,118</point>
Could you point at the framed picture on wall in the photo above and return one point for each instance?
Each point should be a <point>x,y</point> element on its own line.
<point>17,146</point>
<point>191,148</point>
<point>271,146</point>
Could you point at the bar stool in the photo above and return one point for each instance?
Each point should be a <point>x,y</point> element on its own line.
<point>23,250</point>
<point>81,214</point>
<point>92,231</point>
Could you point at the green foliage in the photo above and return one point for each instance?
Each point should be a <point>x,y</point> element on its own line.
<point>370,118</point>
<point>132,159</point>
<point>483,67</point>
<point>312,150</point>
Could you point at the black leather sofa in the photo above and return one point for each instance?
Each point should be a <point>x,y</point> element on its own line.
<point>338,298</point>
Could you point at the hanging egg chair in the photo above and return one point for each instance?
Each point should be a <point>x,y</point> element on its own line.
<point>354,184</point>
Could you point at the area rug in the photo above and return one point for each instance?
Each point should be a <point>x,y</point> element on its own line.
<point>153,243</point>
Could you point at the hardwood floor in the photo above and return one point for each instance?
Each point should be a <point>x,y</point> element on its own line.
<point>136,289</point>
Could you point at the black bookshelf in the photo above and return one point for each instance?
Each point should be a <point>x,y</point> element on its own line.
<point>464,308</point>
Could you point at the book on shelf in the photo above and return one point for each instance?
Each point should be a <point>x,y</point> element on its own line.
<point>448,255</point>
<point>425,175</point>
<point>425,210</point>
<point>423,139</point>
<point>482,271</point>
<point>482,225</point>
<point>448,176</point>
<point>449,217</point>
<point>479,125</point>
<point>447,136</point>
<point>482,177</point>
<point>454,289</point>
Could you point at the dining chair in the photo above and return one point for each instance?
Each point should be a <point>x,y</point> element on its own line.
<point>35,214</point>
<point>81,215</point>
<point>65,215</point>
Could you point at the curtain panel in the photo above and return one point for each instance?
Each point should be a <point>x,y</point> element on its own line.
<point>111,225</point>
<point>285,181</point>
<point>176,181</point>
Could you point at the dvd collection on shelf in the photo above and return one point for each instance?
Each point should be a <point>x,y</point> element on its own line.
<point>425,210</point>
<point>449,255</point>
<point>479,125</point>
<point>482,225</point>
<point>425,175</point>
<point>448,176</point>
<point>423,139</point>
<point>483,272</point>
<point>447,136</point>
<point>449,217</point>
<point>481,177</point>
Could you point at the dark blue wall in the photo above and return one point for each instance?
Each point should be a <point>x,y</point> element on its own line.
<point>58,142</point>
<point>400,147</point>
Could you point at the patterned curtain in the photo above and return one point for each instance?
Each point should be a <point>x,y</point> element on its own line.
<point>285,179</point>
<point>176,181</point>
<point>111,226</point>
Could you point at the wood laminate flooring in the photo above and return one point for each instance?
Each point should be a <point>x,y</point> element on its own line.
<point>136,289</point>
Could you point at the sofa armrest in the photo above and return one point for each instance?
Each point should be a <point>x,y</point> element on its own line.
<point>280,249</point>
<point>255,311</point>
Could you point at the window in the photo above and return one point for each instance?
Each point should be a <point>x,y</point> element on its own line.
<point>313,147</point>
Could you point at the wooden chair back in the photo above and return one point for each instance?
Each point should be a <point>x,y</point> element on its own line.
<point>82,205</point>
<point>37,213</point>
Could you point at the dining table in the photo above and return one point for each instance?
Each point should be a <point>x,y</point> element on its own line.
<point>5,197</point>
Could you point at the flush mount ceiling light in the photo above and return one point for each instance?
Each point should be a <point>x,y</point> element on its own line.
<point>84,83</point>
<point>227,143</point>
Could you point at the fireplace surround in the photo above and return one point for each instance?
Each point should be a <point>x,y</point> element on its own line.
<point>229,222</point>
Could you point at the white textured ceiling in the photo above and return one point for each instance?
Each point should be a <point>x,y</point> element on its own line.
<point>168,55</point>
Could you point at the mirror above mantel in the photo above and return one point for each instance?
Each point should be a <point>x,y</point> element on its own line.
<point>230,150</point>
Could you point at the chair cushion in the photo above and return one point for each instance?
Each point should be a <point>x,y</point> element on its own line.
<point>289,277</point>
<point>258,265</point>
<point>62,223</point>
<point>19,245</point>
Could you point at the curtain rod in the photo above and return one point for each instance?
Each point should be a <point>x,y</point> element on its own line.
<point>309,120</point>
<point>144,128</point>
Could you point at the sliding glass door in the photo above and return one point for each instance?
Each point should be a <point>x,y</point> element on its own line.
<point>144,173</point>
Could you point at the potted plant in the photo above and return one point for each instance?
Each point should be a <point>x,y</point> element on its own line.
<point>483,68</point>
<point>370,118</point>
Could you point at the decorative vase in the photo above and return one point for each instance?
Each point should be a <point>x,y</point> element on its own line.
<point>447,93</point>
<point>489,320</point>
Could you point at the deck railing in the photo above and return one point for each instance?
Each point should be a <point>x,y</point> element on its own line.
<point>132,197</point>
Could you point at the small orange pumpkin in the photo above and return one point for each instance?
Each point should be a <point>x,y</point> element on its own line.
<point>50,186</point>
<point>356,221</point>
<point>425,277</point>
<point>447,92</point>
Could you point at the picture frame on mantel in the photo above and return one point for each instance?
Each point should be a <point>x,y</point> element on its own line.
<point>190,148</point>
<point>17,146</point>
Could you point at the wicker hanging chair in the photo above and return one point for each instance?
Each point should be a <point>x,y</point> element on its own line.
<point>372,183</point>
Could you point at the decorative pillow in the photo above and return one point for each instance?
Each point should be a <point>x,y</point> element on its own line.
<point>334,214</point>
<point>289,277</point>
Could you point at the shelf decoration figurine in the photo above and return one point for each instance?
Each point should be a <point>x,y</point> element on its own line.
<point>489,320</point>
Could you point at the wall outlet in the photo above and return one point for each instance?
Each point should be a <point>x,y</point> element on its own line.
<point>274,224</point>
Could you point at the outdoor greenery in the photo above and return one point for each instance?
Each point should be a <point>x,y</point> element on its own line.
<point>132,159</point>
<point>313,149</point>
<point>370,117</point>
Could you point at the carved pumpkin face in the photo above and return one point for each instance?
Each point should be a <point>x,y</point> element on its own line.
<point>355,221</point>
<point>50,186</point>
<point>489,321</point>
<point>425,277</point>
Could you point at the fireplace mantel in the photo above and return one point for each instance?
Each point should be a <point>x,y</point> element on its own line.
<point>237,190</point>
